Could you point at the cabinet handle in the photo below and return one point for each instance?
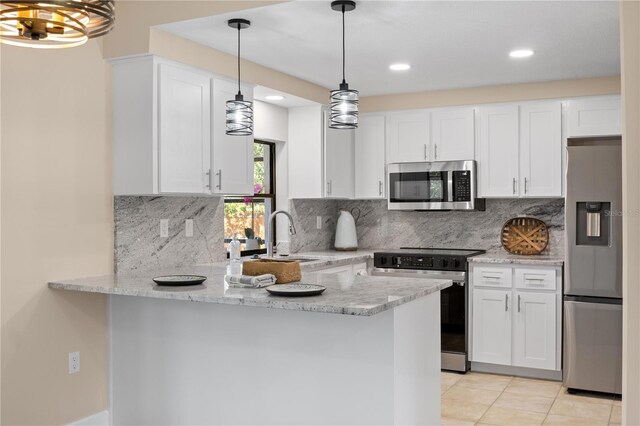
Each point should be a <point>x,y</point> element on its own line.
<point>435,151</point>
<point>525,185</point>
<point>514,186</point>
<point>329,187</point>
<point>506,302</point>
<point>518,303</point>
<point>208,175</point>
<point>380,187</point>
<point>425,151</point>
<point>219,174</point>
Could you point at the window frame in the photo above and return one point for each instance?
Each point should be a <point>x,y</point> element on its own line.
<point>271,195</point>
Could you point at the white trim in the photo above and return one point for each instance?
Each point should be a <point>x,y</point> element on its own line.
<point>98,419</point>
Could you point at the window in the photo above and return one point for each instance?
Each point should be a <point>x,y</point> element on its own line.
<point>246,217</point>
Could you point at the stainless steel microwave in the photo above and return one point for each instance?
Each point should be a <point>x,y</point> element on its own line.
<point>439,185</point>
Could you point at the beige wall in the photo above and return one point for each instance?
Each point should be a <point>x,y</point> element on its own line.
<point>630,46</point>
<point>57,222</point>
<point>491,94</point>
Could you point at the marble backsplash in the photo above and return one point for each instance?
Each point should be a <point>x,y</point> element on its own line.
<point>379,228</point>
<point>138,245</point>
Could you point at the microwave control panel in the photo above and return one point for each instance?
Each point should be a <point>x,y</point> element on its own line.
<point>461,185</point>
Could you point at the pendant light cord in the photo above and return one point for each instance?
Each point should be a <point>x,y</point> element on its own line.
<point>343,45</point>
<point>239,92</point>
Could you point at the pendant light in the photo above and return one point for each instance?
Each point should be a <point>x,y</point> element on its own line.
<point>239,112</point>
<point>343,102</point>
<point>56,23</point>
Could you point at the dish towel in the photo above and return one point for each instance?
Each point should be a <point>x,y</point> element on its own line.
<point>246,281</point>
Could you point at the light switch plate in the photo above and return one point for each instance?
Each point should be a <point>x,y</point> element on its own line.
<point>319,222</point>
<point>164,228</point>
<point>188,227</point>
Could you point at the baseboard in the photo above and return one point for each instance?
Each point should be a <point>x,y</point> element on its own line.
<point>98,419</point>
<point>534,373</point>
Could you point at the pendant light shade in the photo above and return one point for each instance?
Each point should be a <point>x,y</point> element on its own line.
<point>56,23</point>
<point>239,114</point>
<point>343,103</point>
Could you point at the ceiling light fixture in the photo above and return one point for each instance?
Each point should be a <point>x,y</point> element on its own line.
<point>239,112</point>
<point>521,53</point>
<point>55,24</point>
<point>274,97</point>
<point>399,67</point>
<point>343,102</point>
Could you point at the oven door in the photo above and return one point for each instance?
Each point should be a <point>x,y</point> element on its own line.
<point>453,313</point>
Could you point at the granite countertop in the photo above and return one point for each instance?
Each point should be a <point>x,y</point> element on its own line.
<point>353,295</point>
<point>544,259</point>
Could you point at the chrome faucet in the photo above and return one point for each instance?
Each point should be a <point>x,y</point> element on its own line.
<point>292,230</point>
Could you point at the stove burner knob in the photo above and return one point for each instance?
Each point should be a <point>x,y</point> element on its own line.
<point>383,260</point>
<point>444,263</point>
<point>456,263</point>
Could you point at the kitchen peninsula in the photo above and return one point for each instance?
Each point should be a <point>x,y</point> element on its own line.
<point>367,351</point>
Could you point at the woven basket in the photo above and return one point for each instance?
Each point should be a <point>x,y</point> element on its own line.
<point>524,235</point>
<point>286,271</point>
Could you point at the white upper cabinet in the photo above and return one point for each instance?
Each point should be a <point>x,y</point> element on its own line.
<point>369,157</point>
<point>305,152</point>
<point>452,134</point>
<point>541,149</point>
<point>232,171</point>
<point>185,130</point>
<point>498,151</point>
<point>169,130</point>
<point>408,137</point>
<point>338,161</point>
<point>595,117</point>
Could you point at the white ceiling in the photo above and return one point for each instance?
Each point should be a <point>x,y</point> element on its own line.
<point>450,44</point>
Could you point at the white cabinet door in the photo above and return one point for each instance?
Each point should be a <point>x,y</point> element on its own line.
<point>534,330</point>
<point>595,117</point>
<point>452,134</point>
<point>344,272</point>
<point>492,326</point>
<point>408,137</point>
<point>369,157</point>
<point>541,149</point>
<point>184,130</point>
<point>498,151</point>
<point>338,162</point>
<point>232,155</point>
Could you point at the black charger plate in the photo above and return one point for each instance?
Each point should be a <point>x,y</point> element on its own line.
<point>179,280</point>
<point>295,290</point>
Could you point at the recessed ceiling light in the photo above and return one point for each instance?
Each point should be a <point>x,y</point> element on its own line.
<point>521,53</point>
<point>399,67</point>
<point>274,97</point>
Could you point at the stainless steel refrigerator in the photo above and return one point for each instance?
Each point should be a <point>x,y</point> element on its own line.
<point>592,356</point>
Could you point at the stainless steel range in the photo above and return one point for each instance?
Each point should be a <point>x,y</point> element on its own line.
<point>450,264</point>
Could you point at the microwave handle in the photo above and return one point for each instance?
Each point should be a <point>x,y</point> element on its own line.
<point>449,186</point>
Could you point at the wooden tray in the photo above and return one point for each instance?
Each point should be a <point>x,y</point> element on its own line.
<point>286,271</point>
<point>524,235</point>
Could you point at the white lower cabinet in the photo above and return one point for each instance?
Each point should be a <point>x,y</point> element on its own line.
<point>491,326</point>
<point>534,330</point>
<point>516,320</point>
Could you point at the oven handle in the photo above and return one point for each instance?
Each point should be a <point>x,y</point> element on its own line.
<point>458,277</point>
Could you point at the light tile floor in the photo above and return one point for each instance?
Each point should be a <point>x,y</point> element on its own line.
<point>488,399</point>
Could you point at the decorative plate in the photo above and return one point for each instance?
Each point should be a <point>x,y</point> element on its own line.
<point>179,280</point>
<point>295,290</point>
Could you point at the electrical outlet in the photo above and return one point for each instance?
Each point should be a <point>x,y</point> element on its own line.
<point>319,222</point>
<point>164,228</point>
<point>188,227</point>
<point>74,362</point>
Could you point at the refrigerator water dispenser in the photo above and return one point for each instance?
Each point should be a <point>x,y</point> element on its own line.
<point>593,223</point>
